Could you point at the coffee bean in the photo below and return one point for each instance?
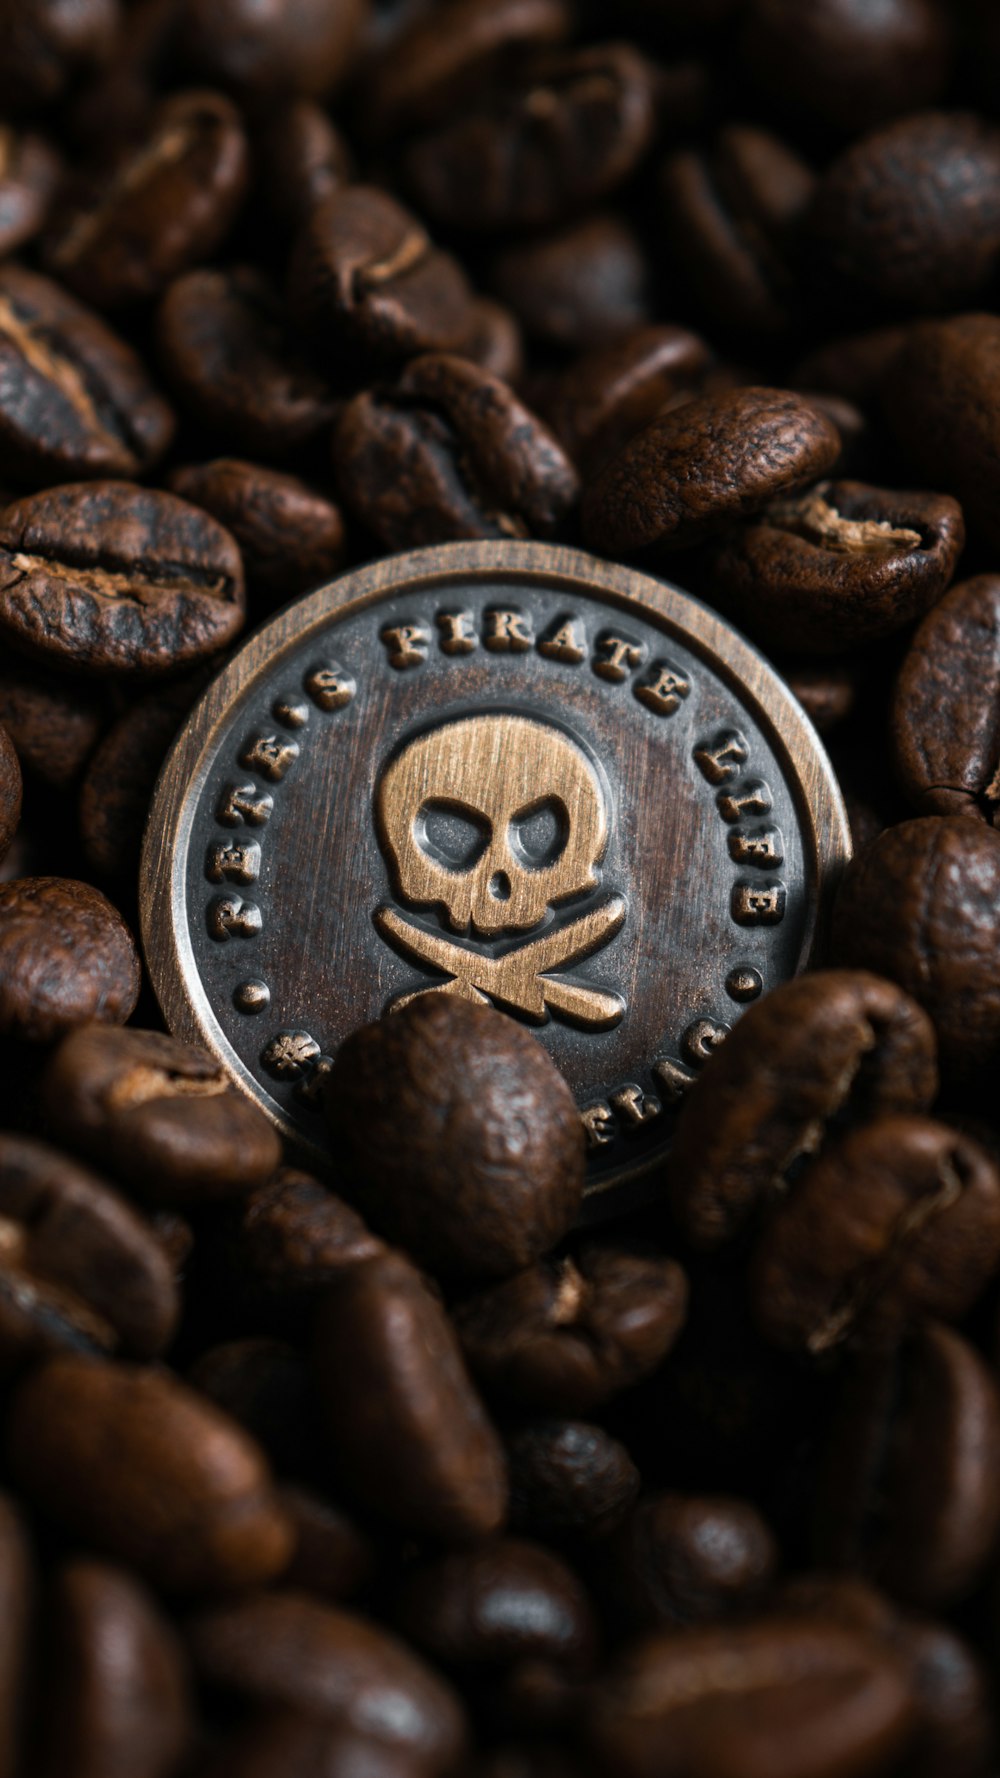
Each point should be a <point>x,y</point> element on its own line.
<point>609,394</point>
<point>295,46</point>
<point>498,1605</point>
<point>333,1558</point>
<point>833,1046</point>
<point>53,723</point>
<point>264,1384</point>
<point>158,1113</point>
<point>568,1478</point>
<point>420,1106</point>
<point>282,1648</point>
<point>230,357</point>
<point>839,566</point>
<point>170,204</point>
<point>106,577</point>
<point>75,400</point>
<point>117,1691</point>
<point>695,470</point>
<point>405,1405</point>
<point>292,1238</point>
<point>301,158</point>
<point>852,365</point>
<point>580,286</point>
<point>905,1489</point>
<point>566,1335</point>
<point>945,733</point>
<point>137,1465</point>
<point>919,906</point>
<point>827,690</point>
<point>67,956</point>
<point>47,45</point>
<point>494,341</point>
<point>119,780</point>
<point>29,175</point>
<point>290,536</point>
<point>10,791</point>
<point>951,1692</point>
<point>688,1559</point>
<point>937,395</point>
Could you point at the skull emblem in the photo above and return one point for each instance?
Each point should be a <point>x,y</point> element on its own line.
<point>496,774</point>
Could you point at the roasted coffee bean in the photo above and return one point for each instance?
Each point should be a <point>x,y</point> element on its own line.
<point>950,1689</point>
<point>688,1559</point>
<point>16,1613</point>
<point>80,1269</point>
<point>566,1335</point>
<point>938,399</point>
<point>499,1605</point>
<point>278,1743</point>
<point>898,1219</point>
<point>301,159</point>
<point>792,1697</point>
<point>264,1384</point>
<point>74,398</point>
<point>149,1473</point>
<point>609,394</point>
<point>230,357</point>
<point>365,276</point>
<point>581,286</point>
<point>295,46</point>
<point>293,1237</point>
<point>906,1488</point>
<point>568,1479</point>
<point>840,566</point>
<point>283,1648</point>
<point>404,1406</point>
<point>158,1113</point>
<point>66,956</point>
<point>571,130</point>
<point>333,1558</point>
<point>47,45</point>
<point>852,366</point>
<point>54,723</point>
<point>290,536</point>
<point>833,1046</point>
<point>106,577</point>
<point>117,1694</point>
<point>169,205</point>
<point>695,470</point>
<point>945,721</point>
<point>10,791</point>
<point>119,780</point>
<point>494,341</point>
<point>907,221</point>
<point>448,55</point>
<point>730,213</point>
<point>827,690</point>
<point>29,175</point>
<point>420,1109</point>
<point>919,906</point>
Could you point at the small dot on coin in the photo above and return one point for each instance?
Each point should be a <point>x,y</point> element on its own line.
<point>292,715</point>
<point>252,996</point>
<point>744,984</point>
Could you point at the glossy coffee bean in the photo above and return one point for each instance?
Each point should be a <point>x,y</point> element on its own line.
<point>66,956</point>
<point>919,906</point>
<point>158,1113</point>
<point>438,63</point>
<point>945,731</point>
<point>53,722</point>
<point>695,470</point>
<point>47,45</point>
<point>169,205</point>
<point>405,1405</point>
<point>832,1047</point>
<point>135,1464</point>
<point>29,176</point>
<point>840,566</point>
<point>290,536</point>
<point>334,1559</point>
<point>688,1559</point>
<point>576,287</point>
<point>107,577</point>
<point>898,1219</point>
<point>906,1489</point>
<point>120,775</point>
<point>568,1478</point>
<point>938,398</point>
<point>609,394</point>
<point>301,158</point>
<point>294,46</point>
<point>75,400</point>
<point>285,1649</point>
<point>498,1605</point>
<point>420,1109</point>
<point>10,792</point>
<point>566,1335</point>
<point>292,1238</point>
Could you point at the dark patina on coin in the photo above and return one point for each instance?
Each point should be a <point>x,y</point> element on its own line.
<point>506,771</point>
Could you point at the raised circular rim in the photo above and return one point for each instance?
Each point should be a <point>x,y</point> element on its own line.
<point>162,906</point>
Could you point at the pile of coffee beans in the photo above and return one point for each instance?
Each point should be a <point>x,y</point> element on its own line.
<point>405,1475</point>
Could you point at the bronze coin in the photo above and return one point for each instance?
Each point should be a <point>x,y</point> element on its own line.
<point>508,771</point>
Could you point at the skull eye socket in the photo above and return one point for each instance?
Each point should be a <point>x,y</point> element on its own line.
<point>538,834</point>
<point>451,834</point>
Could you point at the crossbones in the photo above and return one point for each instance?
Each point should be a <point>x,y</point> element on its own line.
<point>520,978</point>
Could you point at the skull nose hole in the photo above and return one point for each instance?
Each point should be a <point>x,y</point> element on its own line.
<point>500,886</point>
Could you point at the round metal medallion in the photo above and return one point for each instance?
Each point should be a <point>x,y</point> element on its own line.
<point>507,771</point>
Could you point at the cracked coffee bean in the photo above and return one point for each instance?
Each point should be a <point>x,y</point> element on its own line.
<point>945,719</point>
<point>66,956</point>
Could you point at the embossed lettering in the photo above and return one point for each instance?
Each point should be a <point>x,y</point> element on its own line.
<point>599,1123</point>
<point>673,1077</point>
<point>761,845</point>
<point>289,1054</point>
<point>758,905</point>
<point>618,658</point>
<point>311,1089</point>
<point>270,755</point>
<point>752,797</point>
<point>701,1038</point>
<point>508,632</point>
<point>289,713</point>
<point>723,757</point>
<point>407,645</point>
<point>566,643</point>
<point>233,864</point>
<point>665,690</point>
<point>244,802</point>
<point>229,917</point>
<point>330,687</point>
<point>458,632</point>
<point>635,1106</point>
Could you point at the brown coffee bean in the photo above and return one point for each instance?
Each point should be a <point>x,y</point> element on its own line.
<point>576,287</point>
<point>158,1113</point>
<point>695,470</point>
<point>852,365</point>
<point>404,1405</point>
<point>290,536</point>
<point>790,1696</point>
<point>609,394</point>
<point>229,354</point>
<point>29,174</point>
<point>567,1335</point>
<point>494,341</point>
<point>118,783</point>
<point>117,1693</point>
<point>449,55</point>
<point>919,906</point>
<point>66,956</point>
<point>106,577</point>
<point>906,1488</point>
<point>566,134</point>
<point>285,1649</point>
<point>276,1743</point>
<point>295,46</point>
<point>937,395</point>
<point>264,1384</point>
<point>568,1479</point>
<point>47,45</point>
<point>730,213</point>
<point>333,1558</point>
<point>292,1238</point>
<point>945,722</point>
<point>827,1047</point>
<point>688,1559</point>
<point>839,566</point>
<point>16,1614</point>
<point>365,276</point>
<point>170,203</point>
<point>10,791</point>
<point>74,398</point>
<point>134,1463</point>
<point>827,690</point>
<point>80,1268</point>
<point>907,221</point>
<point>460,1135</point>
<point>897,1219</point>
<point>951,1692</point>
<point>53,723</point>
<point>301,159</point>
<point>498,1605</point>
